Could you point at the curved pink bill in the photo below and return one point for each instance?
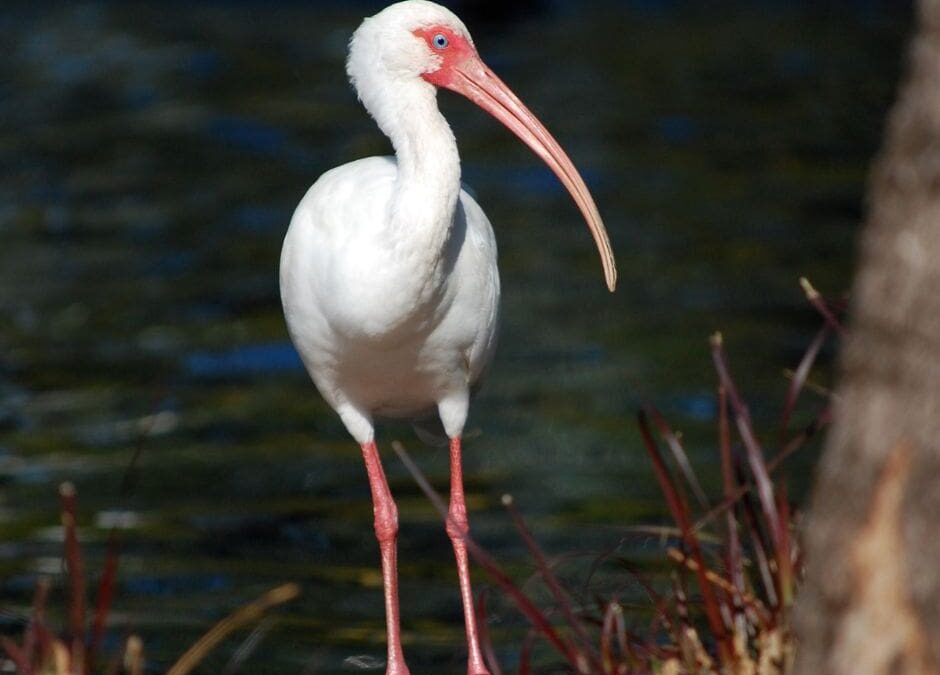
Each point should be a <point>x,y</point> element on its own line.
<point>473,79</point>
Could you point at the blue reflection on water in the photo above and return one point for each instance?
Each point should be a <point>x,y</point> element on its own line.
<point>262,139</point>
<point>677,128</point>
<point>244,361</point>
<point>174,585</point>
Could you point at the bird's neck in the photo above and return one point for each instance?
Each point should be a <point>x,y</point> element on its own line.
<point>428,173</point>
<point>421,213</point>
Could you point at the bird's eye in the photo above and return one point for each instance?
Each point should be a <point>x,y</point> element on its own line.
<point>440,41</point>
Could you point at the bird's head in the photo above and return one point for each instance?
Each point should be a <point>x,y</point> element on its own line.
<point>407,42</point>
<point>418,45</point>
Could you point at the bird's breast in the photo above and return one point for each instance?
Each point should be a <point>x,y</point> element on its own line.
<point>378,317</point>
<point>372,269</point>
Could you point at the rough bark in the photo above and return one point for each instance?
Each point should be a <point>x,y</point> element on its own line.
<point>871,602</point>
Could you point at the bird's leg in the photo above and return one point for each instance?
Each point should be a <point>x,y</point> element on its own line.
<point>457,530</point>
<point>386,531</point>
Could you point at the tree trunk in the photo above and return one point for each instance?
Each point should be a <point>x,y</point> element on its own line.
<point>871,602</point>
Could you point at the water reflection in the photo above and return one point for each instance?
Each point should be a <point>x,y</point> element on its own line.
<point>152,155</point>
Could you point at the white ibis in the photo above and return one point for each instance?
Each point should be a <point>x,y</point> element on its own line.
<point>388,271</point>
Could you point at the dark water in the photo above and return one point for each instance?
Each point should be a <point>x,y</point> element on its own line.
<point>151,157</point>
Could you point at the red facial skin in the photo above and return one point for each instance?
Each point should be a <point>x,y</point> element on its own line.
<point>457,51</point>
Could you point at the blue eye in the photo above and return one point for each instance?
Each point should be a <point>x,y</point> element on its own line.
<point>440,41</point>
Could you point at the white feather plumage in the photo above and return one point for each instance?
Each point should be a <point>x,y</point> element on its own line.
<point>388,270</point>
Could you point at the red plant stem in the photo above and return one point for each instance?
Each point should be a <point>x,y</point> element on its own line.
<point>799,379</point>
<point>760,552</point>
<point>37,620</point>
<point>680,514</point>
<point>784,561</point>
<point>552,582</point>
<point>735,556</point>
<point>755,455</point>
<point>817,301</point>
<point>105,595</point>
<point>525,654</point>
<point>682,459</point>
<point>821,422</point>
<point>486,642</point>
<point>76,576</point>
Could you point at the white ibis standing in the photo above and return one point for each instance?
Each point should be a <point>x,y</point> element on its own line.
<point>388,271</point>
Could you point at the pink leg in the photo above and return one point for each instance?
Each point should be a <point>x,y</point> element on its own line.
<point>457,529</point>
<point>386,531</point>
